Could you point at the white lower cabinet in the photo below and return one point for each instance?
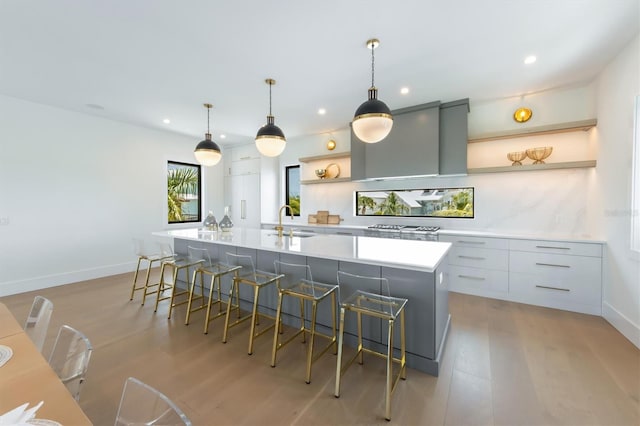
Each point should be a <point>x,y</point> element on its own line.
<point>478,266</point>
<point>556,274</point>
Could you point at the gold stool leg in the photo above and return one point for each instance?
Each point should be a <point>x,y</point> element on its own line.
<point>389,383</point>
<point>333,322</point>
<point>160,287</point>
<point>403,359</point>
<point>336,392</point>
<point>173,288</point>
<point>276,330</point>
<point>312,332</point>
<point>302,329</point>
<point>234,284</point>
<point>146,280</point>
<point>191,290</point>
<point>135,278</point>
<point>214,278</point>
<point>360,351</point>
<point>254,318</point>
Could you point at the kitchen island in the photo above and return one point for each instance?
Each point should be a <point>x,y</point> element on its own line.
<point>416,270</point>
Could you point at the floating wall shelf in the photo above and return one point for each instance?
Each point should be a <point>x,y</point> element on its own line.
<point>530,167</point>
<point>572,126</point>
<point>334,180</point>
<point>325,157</point>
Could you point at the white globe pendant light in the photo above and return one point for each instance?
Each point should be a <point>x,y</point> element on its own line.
<point>270,140</point>
<point>208,152</point>
<point>372,121</point>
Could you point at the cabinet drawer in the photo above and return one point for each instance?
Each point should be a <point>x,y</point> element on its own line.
<point>557,247</point>
<point>583,290</point>
<point>553,264</point>
<point>476,279</point>
<point>478,242</point>
<point>479,258</point>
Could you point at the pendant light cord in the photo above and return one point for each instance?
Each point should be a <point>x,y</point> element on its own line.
<point>208,109</point>
<point>270,84</point>
<point>372,65</point>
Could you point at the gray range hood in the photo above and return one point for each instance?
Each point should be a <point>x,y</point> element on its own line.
<point>426,140</point>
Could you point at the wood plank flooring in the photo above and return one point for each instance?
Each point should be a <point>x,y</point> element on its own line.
<point>504,364</point>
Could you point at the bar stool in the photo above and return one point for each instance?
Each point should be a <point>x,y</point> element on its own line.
<point>375,305</point>
<point>297,282</point>
<point>215,271</point>
<point>176,263</point>
<point>151,258</point>
<point>247,274</point>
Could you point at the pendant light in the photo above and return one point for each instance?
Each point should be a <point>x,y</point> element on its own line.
<point>373,120</point>
<point>270,140</point>
<point>208,152</point>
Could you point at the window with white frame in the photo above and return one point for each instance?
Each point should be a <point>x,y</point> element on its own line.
<point>635,183</point>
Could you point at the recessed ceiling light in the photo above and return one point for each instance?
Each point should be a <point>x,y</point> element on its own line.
<point>166,121</point>
<point>322,111</point>
<point>530,59</point>
<point>404,90</point>
<point>223,136</point>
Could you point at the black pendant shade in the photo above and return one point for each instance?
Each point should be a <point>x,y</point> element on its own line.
<point>207,152</point>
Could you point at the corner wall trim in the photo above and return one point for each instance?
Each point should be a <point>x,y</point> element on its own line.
<point>621,323</point>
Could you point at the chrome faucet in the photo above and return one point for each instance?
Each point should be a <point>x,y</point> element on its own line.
<point>280,228</point>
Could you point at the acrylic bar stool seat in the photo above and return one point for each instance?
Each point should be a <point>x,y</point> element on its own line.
<point>176,263</point>
<point>248,275</point>
<point>216,271</point>
<point>37,322</point>
<point>151,258</point>
<point>297,282</point>
<point>375,305</point>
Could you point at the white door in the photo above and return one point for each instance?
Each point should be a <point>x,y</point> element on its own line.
<point>244,198</point>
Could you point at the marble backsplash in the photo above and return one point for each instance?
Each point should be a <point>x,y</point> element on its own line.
<point>549,202</point>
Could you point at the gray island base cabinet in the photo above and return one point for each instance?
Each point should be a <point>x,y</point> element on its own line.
<point>425,286</point>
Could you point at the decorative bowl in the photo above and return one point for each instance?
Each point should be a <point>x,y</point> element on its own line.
<point>517,157</point>
<point>539,154</point>
<point>321,173</point>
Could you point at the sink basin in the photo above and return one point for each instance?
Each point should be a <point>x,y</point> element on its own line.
<point>294,234</point>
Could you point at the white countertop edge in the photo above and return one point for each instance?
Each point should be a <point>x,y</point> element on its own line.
<point>328,239</point>
<point>468,232</point>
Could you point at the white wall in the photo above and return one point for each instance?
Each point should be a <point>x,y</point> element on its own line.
<point>75,188</point>
<point>617,87</point>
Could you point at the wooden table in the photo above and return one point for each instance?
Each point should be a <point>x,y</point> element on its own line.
<point>27,377</point>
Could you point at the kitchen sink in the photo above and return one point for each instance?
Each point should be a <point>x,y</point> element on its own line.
<point>294,234</point>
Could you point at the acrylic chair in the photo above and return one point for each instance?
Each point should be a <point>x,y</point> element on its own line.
<point>297,282</point>
<point>37,322</point>
<point>141,404</point>
<point>216,271</point>
<point>258,280</point>
<point>375,305</point>
<point>70,358</point>
<point>143,255</point>
<point>176,263</point>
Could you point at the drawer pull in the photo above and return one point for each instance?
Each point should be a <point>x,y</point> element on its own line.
<point>471,277</point>
<point>553,247</point>
<point>471,257</point>
<point>552,288</point>
<point>553,265</point>
<point>344,233</point>
<point>471,242</point>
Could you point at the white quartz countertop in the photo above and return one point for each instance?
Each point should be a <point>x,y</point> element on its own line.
<point>405,254</point>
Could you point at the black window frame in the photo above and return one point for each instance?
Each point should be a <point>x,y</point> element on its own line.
<point>287,193</point>
<point>198,167</point>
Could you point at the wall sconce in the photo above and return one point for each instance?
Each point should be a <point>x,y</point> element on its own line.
<point>522,115</point>
<point>331,145</point>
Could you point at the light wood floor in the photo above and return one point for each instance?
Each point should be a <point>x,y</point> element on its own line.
<point>504,363</point>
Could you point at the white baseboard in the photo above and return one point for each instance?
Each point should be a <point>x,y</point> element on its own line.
<point>621,323</point>
<point>21,286</point>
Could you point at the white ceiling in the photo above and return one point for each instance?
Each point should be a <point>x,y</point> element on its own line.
<point>146,60</point>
